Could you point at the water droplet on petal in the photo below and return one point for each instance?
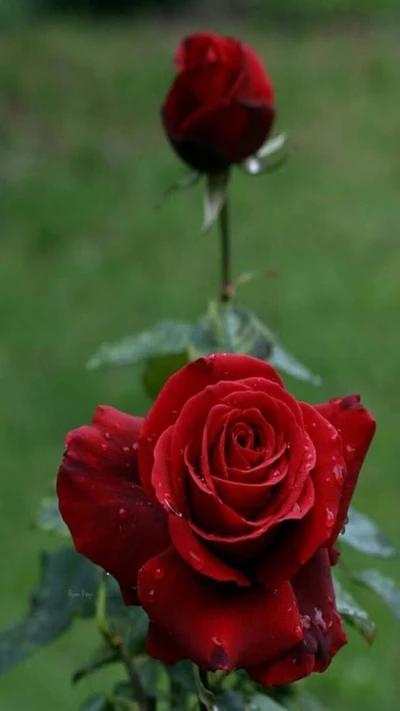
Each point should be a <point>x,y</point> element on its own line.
<point>338,474</point>
<point>196,561</point>
<point>334,436</point>
<point>107,435</point>
<point>135,446</point>
<point>149,439</point>
<point>319,620</point>
<point>298,631</point>
<point>159,573</point>
<point>329,518</point>
<point>149,595</point>
<point>125,449</point>
<point>104,446</point>
<point>217,641</point>
<point>123,514</point>
<point>296,508</point>
<point>306,621</point>
<point>349,448</point>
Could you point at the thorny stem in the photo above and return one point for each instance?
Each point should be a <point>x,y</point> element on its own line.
<point>117,642</point>
<point>227,287</point>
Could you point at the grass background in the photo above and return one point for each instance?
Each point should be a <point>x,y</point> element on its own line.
<point>85,257</point>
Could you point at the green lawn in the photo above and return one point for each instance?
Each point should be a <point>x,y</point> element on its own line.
<point>85,257</point>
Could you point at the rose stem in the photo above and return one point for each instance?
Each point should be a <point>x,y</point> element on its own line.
<point>226,284</point>
<point>117,643</point>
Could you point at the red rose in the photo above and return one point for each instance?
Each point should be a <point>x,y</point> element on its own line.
<point>218,512</point>
<point>220,108</point>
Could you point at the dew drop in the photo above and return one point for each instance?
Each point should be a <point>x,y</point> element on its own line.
<point>306,621</point>
<point>349,448</point>
<point>319,620</point>
<point>104,446</point>
<point>159,573</point>
<point>329,518</point>
<point>334,436</point>
<point>135,446</point>
<point>296,508</point>
<point>298,631</point>
<point>313,424</point>
<point>149,595</point>
<point>217,641</point>
<point>107,435</point>
<point>149,439</point>
<point>338,474</point>
<point>196,561</point>
<point>125,449</point>
<point>123,514</point>
<point>275,474</point>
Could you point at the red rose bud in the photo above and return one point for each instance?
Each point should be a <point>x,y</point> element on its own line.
<point>220,108</point>
<point>218,512</point>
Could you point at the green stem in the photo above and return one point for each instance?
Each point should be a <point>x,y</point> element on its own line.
<point>226,277</point>
<point>117,642</point>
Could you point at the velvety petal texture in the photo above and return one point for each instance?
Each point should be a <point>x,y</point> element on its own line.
<point>219,510</point>
<point>220,108</point>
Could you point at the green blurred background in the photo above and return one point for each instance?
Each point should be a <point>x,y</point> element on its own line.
<point>85,257</point>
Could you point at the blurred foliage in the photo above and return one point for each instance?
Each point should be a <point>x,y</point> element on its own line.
<point>288,13</point>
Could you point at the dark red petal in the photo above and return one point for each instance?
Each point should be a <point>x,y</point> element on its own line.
<point>254,83</point>
<point>187,382</point>
<point>323,631</point>
<point>208,47</point>
<point>218,626</point>
<point>110,442</point>
<point>110,518</point>
<point>234,129</point>
<point>199,556</point>
<point>299,541</point>
<point>160,645</point>
<point>356,427</point>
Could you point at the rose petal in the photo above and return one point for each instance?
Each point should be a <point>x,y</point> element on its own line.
<point>159,645</point>
<point>298,541</point>
<point>110,518</point>
<point>218,626</point>
<point>356,427</point>
<point>200,557</point>
<point>323,631</point>
<point>189,381</point>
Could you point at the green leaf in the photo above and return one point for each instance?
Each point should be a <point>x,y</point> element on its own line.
<point>182,675</point>
<point>214,197</point>
<point>165,338</point>
<point>363,535</point>
<point>49,518</point>
<point>98,702</point>
<point>383,586</point>
<point>205,694</point>
<point>287,363</point>
<point>271,156</point>
<point>262,702</point>
<point>67,589</point>
<point>131,622</point>
<point>159,368</point>
<point>228,700</point>
<point>353,614</point>
<point>102,658</point>
<point>228,328</point>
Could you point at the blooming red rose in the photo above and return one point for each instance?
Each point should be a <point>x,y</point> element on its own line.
<point>220,108</point>
<point>218,512</point>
